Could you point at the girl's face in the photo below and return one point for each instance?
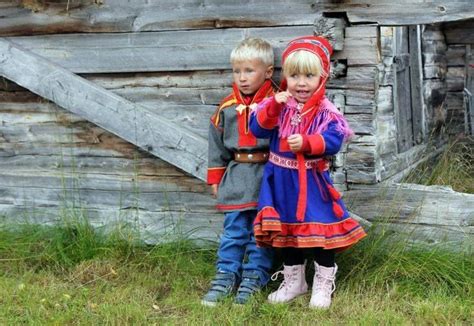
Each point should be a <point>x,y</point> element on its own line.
<point>302,86</point>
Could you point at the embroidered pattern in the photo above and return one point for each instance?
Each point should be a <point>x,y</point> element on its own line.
<point>290,163</point>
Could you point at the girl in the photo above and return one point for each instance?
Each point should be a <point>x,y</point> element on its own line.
<point>299,209</point>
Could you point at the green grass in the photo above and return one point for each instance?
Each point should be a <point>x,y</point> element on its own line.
<point>73,274</point>
<point>70,274</point>
<point>453,167</point>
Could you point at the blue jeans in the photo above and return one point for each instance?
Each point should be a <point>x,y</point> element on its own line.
<point>238,241</point>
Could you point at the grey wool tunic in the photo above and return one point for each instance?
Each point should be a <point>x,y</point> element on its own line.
<point>229,133</point>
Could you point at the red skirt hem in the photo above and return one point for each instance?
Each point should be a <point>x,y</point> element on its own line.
<point>270,232</point>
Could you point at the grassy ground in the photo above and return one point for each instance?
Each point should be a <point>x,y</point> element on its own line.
<point>453,167</point>
<point>71,274</point>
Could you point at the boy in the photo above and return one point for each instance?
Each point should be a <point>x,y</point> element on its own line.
<point>236,160</point>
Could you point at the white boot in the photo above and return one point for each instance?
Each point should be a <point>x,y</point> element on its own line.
<point>324,284</point>
<point>293,285</point>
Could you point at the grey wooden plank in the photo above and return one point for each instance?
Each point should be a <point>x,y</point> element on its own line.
<point>156,135</point>
<point>455,78</point>
<point>469,107</point>
<point>146,16</point>
<point>395,166</point>
<point>409,13</point>
<point>360,51</point>
<point>416,83</point>
<point>97,199</point>
<point>76,163</point>
<point>416,204</point>
<point>138,16</point>
<point>111,177</point>
<point>402,91</point>
<point>360,156</point>
<point>173,51</point>
<point>154,51</point>
<point>362,124</point>
<point>359,97</point>
<point>459,32</point>
<point>153,226</point>
<point>455,55</point>
<point>386,134</point>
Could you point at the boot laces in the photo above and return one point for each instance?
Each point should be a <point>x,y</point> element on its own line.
<point>287,279</point>
<point>325,283</point>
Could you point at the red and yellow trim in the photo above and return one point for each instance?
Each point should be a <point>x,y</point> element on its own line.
<point>226,102</point>
<point>214,175</point>
<point>223,207</point>
<point>269,231</point>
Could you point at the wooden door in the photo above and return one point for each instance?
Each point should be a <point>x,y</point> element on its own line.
<point>469,91</point>
<point>408,99</point>
<point>402,90</point>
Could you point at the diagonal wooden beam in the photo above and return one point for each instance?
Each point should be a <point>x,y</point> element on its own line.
<point>134,123</point>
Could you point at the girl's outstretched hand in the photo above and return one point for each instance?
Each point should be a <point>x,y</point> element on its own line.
<point>282,97</point>
<point>295,142</point>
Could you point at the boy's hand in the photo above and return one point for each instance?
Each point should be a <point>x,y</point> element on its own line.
<point>295,142</point>
<point>282,97</point>
<point>214,190</point>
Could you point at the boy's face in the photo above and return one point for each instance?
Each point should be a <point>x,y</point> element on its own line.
<point>302,86</point>
<point>249,75</point>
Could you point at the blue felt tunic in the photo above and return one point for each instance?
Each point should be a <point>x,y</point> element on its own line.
<point>276,223</point>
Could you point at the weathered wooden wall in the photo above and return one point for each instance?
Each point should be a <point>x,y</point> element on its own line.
<point>179,70</point>
<point>58,159</point>
<point>55,164</point>
<point>459,58</point>
<point>399,114</point>
<point>27,17</point>
<point>434,72</point>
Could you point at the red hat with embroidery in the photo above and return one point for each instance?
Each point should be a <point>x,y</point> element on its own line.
<point>317,45</point>
<point>320,47</point>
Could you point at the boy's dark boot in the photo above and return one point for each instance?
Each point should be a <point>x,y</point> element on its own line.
<point>248,287</point>
<point>223,284</point>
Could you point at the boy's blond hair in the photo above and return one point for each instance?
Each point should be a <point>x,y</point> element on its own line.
<point>253,48</point>
<point>303,62</point>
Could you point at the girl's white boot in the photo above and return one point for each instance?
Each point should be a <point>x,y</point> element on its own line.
<point>293,284</point>
<point>324,284</point>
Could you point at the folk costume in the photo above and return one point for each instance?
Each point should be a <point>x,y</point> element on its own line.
<point>298,205</point>
<point>236,161</point>
<point>235,154</point>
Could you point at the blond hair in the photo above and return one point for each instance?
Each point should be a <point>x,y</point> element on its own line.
<point>303,62</point>
<point>253,48</point>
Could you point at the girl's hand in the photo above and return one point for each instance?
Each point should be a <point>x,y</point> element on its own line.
<point>295,142</point>
<point>214,190</point>
<point>282,97</point>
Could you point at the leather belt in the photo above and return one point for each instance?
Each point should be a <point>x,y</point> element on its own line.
<point>257,157</point>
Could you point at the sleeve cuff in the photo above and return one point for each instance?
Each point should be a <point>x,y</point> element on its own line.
<point>306,146</point>
<point>214,175</point>
<point>267,117</point>
<point>274,108</point>
<point>317,145</point>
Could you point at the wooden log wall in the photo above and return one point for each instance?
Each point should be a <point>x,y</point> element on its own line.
<point>389,159</point>
<point>434,78</point>
<point>460,42</point>
<point>58,162</point>
<point>178,69</point>
<point>27,17</point>
<point>55,164</point>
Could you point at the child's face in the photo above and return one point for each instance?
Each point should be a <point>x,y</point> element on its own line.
<point>302,86</point>
<point>249,75</point>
